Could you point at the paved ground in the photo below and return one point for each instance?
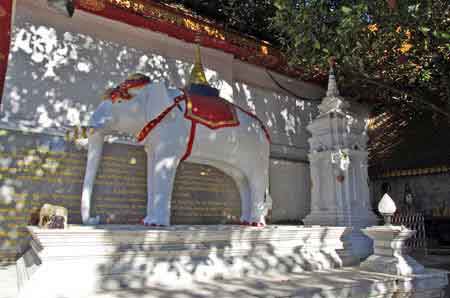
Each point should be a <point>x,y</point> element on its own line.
<point>280,286</point>
<point>438,262</point>
<point>347,282</point>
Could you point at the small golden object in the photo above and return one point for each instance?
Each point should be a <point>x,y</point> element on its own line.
<point>94,5</point>
<point>138,76</point>
<point>49,212</point>
<point>197,73</point>
<point>67,137</point>
<point>373,28</point>
<point>332,61</point>
<point>84,132</point>
<point>264,50</point>
<point>75,134</point>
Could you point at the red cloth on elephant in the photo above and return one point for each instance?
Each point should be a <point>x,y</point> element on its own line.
<point>213,112</point>
<point>6,15</point>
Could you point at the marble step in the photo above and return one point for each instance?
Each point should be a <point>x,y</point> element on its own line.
<point>194,241</point>
<point>8,281</point>
<point>105,257</point>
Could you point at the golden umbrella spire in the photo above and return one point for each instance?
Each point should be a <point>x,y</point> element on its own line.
<point>198,74</point>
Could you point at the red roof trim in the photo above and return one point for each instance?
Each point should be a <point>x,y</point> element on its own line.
<point>156,17</point>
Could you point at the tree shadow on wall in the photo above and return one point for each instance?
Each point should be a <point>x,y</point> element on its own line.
<point>57,78</point>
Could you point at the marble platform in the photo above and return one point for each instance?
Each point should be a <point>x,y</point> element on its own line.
<point>111,257</point>
<point>201,261</point>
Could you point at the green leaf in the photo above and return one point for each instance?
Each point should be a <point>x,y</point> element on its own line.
<point>424,29</point>
<point>346,9</point>
<point>445,35</point>
<point>317,44</point>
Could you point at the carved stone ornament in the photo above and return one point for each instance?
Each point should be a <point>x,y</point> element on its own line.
<point>341,159</point>
<point>94,5</point>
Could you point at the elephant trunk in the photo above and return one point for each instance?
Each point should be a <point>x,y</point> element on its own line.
<point>95,149</point>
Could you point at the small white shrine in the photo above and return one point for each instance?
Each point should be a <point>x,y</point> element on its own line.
<point>338,163</point>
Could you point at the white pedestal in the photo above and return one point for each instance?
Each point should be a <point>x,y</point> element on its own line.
<point>389,258</point>
<point>340,191</point>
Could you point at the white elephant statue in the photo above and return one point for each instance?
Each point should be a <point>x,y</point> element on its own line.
<point>157,115</point>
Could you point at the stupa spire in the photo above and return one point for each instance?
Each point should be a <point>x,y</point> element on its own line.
<point>332,85</point>
<point>198,84</point>
<point>332,102</point>
<point>197,73</point>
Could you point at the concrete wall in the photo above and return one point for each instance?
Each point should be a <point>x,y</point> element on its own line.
<point>57,72</point>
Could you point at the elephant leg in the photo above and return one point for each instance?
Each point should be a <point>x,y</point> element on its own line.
<point>244,191</point>
<point>258,181</point>
<point>160,180</point>
<point>149,218</point>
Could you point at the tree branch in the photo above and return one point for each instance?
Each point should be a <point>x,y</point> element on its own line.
<point>289,92</point>
<point>419,98</point>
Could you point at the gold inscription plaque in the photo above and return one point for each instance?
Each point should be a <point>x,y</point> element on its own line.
<point>204,195</point>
